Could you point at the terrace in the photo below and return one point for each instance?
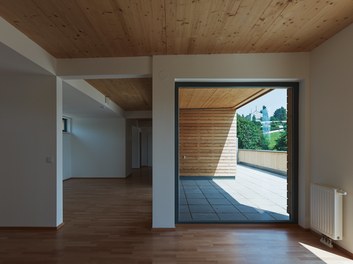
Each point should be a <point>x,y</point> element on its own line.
<point>253,196</point>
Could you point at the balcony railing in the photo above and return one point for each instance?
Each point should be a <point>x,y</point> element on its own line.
<point>275,161</point>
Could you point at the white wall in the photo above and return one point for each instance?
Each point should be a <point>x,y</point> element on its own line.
<point>30,166</point>
<point>253,67</point>
<point>332,126</point>
<point>98,147</point>
<point>67,171</point>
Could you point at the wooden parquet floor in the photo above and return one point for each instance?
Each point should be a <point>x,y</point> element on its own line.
<point>109,221</point>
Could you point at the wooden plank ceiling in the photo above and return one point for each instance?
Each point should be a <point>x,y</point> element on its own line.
<point>218,98</point>
<point>129,94</point>
<point>113,28</point>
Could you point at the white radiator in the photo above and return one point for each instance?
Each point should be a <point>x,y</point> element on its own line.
<point>326,211</point>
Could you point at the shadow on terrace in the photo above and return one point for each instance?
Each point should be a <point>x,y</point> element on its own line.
<point>253,196</point>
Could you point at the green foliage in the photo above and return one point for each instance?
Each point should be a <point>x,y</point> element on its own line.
<point>250,134</point>
<point>281,142</point>
<point>279,115</point>
<point>273,140</point>
<point>264,142</point>
<point>274,125</point>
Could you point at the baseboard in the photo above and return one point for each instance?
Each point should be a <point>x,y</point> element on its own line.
<point>31,228</point>
<point>345,251</point>
<point>97,178</point>
<point>168,229</point>
<point>60,226</point>
<point>28,228</point>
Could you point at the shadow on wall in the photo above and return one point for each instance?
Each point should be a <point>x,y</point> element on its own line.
<point>207,142</point>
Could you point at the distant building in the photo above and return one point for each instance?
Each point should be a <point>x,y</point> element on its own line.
<point>266,123</point>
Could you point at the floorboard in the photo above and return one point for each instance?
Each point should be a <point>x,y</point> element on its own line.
<point>109,221</point>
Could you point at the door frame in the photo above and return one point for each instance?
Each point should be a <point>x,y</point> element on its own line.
<point>294,103</point>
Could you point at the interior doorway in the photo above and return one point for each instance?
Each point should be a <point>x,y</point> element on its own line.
<point>215,180</point>
<point>141,143</point>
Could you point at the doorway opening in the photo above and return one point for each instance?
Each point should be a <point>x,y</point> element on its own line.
<point>232,167</point>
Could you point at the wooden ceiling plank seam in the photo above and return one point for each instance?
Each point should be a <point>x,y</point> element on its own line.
<point>145,29</point>
<point>30,24</point>
<point>255,8</point>
<point>154,29</point>
<point>252,43</point>
<point>315,22</point>
<point>279,22</point>
<point>266,40</point>
<point>83,30</point>
<point>232,9</point>
<point>73,30</point>
<point>327,11</point>
<point>165,28</point>
<point>159,22</point>
<point>236,23</point>
<point>187,30</point>
<point>119,16</point>
<point>232,16</point>
<point>201,34</point>
<point>298,31</point>
<point>285,26</point>
<point>99,30</point>
<point>105,11</point>
<point>314,36</point>
<point>123,17</point>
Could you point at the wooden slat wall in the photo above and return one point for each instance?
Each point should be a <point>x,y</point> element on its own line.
<point>207,142</point>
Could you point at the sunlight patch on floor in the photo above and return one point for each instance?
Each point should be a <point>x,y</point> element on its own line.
<point>327,257</point>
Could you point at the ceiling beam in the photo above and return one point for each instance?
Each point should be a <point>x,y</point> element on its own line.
<point>19,42</point>
<point>93,93</point>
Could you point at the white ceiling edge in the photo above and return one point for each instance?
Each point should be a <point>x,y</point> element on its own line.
<point>82,100</point>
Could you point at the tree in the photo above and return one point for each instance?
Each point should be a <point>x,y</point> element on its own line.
<point>279,115</point>
<point>281,142</point>
<point>250,134</point>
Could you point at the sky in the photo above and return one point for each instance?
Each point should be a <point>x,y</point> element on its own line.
<point>272,100</point>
